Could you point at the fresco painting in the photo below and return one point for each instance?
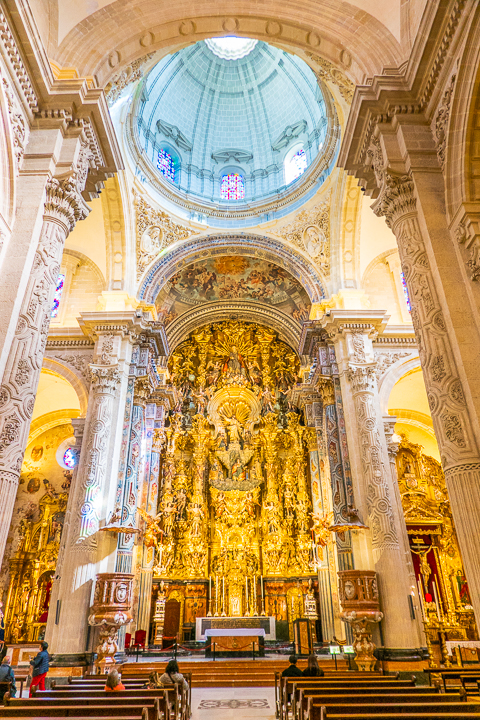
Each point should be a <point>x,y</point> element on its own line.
<point>233,277</point>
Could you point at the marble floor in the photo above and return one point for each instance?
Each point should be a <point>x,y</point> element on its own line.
<point>243,702</point>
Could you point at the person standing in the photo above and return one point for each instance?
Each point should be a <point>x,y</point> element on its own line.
<point>39,668</point>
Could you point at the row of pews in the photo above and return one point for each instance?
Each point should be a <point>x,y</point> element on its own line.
<point>86,698</point>
<point>357,696</point>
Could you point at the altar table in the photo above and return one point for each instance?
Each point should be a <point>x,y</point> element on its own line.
<point>235,641</point>
<point>235,624</point>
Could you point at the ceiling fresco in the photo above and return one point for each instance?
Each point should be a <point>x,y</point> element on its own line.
<point>232,277</point>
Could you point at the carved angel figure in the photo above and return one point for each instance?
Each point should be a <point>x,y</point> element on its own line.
<point>150,243</point>
<point>321,524</point>
<point>153,531</point>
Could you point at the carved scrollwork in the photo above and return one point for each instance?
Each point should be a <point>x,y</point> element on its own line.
<point>311,232</point>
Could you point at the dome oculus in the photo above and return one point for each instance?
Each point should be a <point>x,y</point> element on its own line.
<point>231,48</point>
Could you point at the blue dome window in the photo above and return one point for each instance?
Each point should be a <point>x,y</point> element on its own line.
<point>166,165</point>
<point>232,187</point>
<point>70,458</point>
<point>295,164</point>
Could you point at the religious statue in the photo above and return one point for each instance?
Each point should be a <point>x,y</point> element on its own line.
<point>268,401</point>
<point>181,502</point>
<point>152,531</point>
<point>271,517</point>
<point>235,364</point>
<point>195,515</point>
<point>168,512</point>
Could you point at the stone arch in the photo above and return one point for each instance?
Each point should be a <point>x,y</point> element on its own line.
<point>288,329</point>
<point>463,134</point>
<point>386,381</point>
<point>7,168</point>
<point>250,245</point>
<point>322,26</point>
<point>73,376</point>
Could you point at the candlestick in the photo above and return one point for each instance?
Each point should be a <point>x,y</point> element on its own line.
<point>434,585</point>
<point>255,595</point>
<point>209,614</point>
<point>261,587</point>
<point>216,595</point>
<point>246,597</point>
<point>223,596</point>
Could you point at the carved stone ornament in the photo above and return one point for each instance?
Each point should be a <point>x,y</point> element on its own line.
<point>397,198</point>
<point>290,133</point>
<point>19,126</point>
<point>360,607</point>
<point>125,77</point>
<point>311,232</point>
<point>328,72</point>
<point>472,244</point>
<point>64,201</point>
<point>386,359</point>
<point>155,231</point>
<point>172,132</point>
<point>440,124</point>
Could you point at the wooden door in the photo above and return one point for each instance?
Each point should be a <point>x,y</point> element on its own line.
<point>172,622</point>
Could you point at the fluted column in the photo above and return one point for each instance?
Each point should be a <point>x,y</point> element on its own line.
<point>24,344</point>
<point>352,334</point>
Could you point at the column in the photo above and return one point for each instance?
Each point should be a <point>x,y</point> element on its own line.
<point>55,602</point>
<point>322,505</point>
<point>91,545</point>
<point>155,413</point>
<point>49,209</point>
<point>445,309</point>
<point>351,333</point>
<point>392,447</point>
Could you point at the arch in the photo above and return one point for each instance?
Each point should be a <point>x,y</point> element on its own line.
<point>393,374</point>
<point>250,245</point>
<point>72,376</point>
<point>462,184</point>
<point>333,26</point>
<point>288,329</point>
<point>50,420</point>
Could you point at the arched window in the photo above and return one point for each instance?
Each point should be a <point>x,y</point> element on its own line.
<point>232,187</point>
<point>405,292</point>
<point>166,164</point>
<point>58,295</point>
<point>295,164</point>
<point>70,458</point>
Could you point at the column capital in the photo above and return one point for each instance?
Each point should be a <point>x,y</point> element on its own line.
<point>136,326</point>
<point>105,378</point>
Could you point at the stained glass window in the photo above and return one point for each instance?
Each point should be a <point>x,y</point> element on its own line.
<point>295,166</point>
<point>166,165</point>
<point>69,458</point>
<point>405,292</point>
<point>233,187</point>
<point>58,295</point>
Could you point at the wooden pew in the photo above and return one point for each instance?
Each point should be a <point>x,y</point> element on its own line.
<point>286,686</point>
<point>426,699</point>
<point>329,674</point>
<point>105,710</point>
<point>177,698</point>
<point>421,694</point>
<point>470,682</point>
<point>36,705</point>
<point>318,710</point>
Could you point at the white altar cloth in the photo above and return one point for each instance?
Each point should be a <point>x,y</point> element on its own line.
<point>463,643</point>
<point>235,632</point>
<point>266,623</point>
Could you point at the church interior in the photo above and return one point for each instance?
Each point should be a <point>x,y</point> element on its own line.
<point>240,343</point>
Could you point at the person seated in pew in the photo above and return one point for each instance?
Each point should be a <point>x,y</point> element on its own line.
<point>173,676</point>
<point>313,669</point>
<point>153,681</point>
<point>114,683</point>
<point>7,674</point>
<point>292,670</point>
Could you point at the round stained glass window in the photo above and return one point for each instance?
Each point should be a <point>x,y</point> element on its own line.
<point>69,458</point>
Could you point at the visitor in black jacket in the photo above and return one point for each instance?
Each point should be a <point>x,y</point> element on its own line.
<point>292,670</point>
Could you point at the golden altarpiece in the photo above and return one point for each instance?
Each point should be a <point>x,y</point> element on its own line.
<point>235,502</point>
<point>442,586</point>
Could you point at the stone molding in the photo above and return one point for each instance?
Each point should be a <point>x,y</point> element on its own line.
<point>11,51</point>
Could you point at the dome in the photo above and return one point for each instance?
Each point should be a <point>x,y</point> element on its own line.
<point>231,128</point>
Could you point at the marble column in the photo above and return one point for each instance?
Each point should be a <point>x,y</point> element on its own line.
<point>322,504</point>
<point>151,504</point>
<point>90,549</point>
<point>351,333</point>
<point>33,257</point>
<point>392,447</point>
